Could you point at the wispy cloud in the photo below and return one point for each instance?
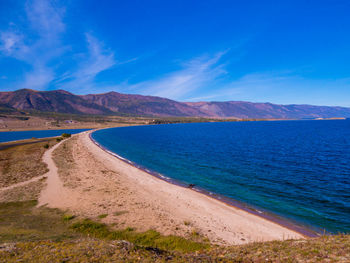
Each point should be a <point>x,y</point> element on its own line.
<point>96,60</point>
<point>38,49</point>
<point>283,86</point>
<point>42,47</point>
<point>195,74</point>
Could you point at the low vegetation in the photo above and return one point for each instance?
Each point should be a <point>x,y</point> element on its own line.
<point>28,233</point>
<point>22,161</point>
<point>146,239</point>
<point>66,135</point>
<point>23,221</point>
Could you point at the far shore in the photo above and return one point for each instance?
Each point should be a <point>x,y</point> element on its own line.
<point>120,124</point>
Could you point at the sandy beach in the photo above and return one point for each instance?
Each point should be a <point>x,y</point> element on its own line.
<point>90,182</point>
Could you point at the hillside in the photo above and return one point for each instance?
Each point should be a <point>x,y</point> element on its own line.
<point>114,103</point>
<point>142,105</point>
<point>246,110</point>
<point>49,101</point>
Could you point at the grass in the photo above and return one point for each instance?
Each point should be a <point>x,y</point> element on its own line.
<point>324,249</point>
<point>67,218</point>
<point>119,213</point>
<point>24,221</point>
<point>23,162</point>
<point>102,216</point>
<point>42,236</point>
<point>149,238</point>
<point>64,160</point>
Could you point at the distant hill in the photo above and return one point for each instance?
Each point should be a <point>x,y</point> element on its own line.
<point>50,101</point>
<point>243,110</point>
<point>110,103</point>
<point>142,105</point>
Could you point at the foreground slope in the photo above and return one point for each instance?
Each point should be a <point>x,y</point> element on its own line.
<point>40,234</point>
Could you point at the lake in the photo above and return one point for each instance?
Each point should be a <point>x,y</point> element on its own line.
<point>299,170</point>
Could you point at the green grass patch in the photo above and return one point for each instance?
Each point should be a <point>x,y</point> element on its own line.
<point>102,216</point>
<point>149,238</point>
<point>119,213</point>
<point>68,217</point>
<point>21,221</point>
<point>66,135</point>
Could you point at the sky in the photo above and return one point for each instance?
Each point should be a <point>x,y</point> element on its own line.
<point>284,52</point>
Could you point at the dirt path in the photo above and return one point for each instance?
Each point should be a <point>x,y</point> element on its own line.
<point>54,194</point>
<point>35,179</point>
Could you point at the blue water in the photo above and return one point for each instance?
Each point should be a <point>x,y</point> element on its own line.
<point>296,169</point>
<point>22,135</point>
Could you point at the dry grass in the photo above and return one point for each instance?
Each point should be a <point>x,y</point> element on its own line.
<point>23,162</point>
<point>23,221</point>
<point>64,160</point>
<point>27,192</point>
<point>329,249</point>
<point>28,233</point>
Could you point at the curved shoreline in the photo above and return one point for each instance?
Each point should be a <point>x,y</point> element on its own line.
<point>285,223</point>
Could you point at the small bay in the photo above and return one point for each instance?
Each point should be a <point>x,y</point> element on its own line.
<point>22,135</point>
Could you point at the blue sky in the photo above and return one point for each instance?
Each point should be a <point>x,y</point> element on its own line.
<point>282,52</point>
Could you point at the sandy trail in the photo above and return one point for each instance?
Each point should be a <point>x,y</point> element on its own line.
<point>99,183</point>
<point>32,180</point>
<point>54,194</point>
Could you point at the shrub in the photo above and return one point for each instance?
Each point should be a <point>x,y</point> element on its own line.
<point>102,216</point>
<point>66,135</point>
<point>68,217</point>
<point>46,146</point>
<point>187,223</point>
<point>150,238</point>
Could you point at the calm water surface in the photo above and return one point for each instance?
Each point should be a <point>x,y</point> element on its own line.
<point>296,169</point>
<point>22,135</point>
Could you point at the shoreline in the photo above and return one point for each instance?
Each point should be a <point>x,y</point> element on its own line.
<point>283,222</point>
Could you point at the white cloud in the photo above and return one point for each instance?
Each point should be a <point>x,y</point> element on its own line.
<point>42,45</point>
<point>40,48</point>
<point>46,18</point>
<point>195,74</point>
<point>10,42</point>
<point>97,59</point>
<point>283,87</point>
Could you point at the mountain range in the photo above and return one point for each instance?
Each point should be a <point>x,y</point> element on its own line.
<point>114,103</point>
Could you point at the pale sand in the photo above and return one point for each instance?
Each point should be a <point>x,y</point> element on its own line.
<point>100,183</point>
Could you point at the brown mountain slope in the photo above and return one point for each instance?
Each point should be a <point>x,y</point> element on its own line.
<point>116,103</point>
<point>244,110</point>
<point>50,101</point>
<point>142,105</point>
